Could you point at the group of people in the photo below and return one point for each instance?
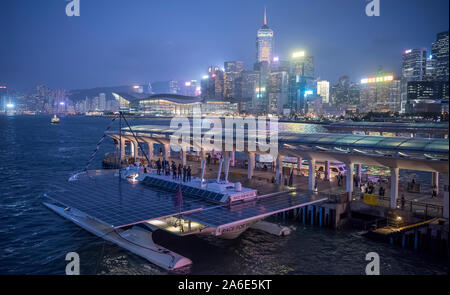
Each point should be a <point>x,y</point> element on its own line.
<point>178,172</point>
<point>370,188</point>
<point>366,188</point>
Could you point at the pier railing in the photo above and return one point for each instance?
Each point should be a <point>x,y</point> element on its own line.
<point>420,209</point>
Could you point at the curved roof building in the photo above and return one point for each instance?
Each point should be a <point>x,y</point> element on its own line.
<point>167,104</point>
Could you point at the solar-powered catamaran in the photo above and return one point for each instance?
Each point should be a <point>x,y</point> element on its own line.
<point>123,207</point>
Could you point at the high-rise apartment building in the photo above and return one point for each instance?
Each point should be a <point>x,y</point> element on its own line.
<point>212,86</point>
<point>233,79</point>
<point>173,87</point>
<point>380,93</point>
<point>323,90</point>
<point>301,81</point>
<point>278,89</point>
<point>414,64</point>
<point>439,52</point>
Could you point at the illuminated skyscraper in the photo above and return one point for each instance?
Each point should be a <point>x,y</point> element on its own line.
<point>413,69</point>
<point>439,52</point>
<point>173,87</point>
<point>414,64</point>
<point>380,93</point>
<point>278,92</point>
<point>233,79</point>
<point>301,80</point>
<point>213,84</point>
<point>260,104</point>
<point>345,93</point>
<point>323,89</point>
<point>190,88</point>
<point>431,69</point>
<point>102,101</point>
<point>264,42</point>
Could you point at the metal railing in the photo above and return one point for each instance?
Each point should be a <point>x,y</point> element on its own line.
<point>418,208</point>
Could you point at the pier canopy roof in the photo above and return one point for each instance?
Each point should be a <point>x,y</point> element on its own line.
<point>427,147</point>
<point>402,127</point>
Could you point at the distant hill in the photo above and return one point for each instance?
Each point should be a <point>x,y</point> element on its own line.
<point>80,94</point>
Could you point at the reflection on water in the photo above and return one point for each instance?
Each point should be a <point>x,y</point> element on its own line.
<point>303,128</point>
<point>36,156</point>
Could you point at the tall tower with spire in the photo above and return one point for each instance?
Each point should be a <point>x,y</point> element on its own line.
<point>264,42</point>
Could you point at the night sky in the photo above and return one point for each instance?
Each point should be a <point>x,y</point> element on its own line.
<point>121,42</point>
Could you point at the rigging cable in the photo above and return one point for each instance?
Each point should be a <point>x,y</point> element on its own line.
<point>74,176</point>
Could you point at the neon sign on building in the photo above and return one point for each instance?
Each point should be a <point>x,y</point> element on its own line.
<point>377,79</point>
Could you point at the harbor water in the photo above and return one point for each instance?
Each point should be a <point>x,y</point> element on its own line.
<point>37,156</point>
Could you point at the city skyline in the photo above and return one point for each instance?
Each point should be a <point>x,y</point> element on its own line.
<point>131,58</point>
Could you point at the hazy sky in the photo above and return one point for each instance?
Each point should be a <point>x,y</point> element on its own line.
<point>120,42</point>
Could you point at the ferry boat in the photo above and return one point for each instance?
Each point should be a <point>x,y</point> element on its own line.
<point>55,119</point>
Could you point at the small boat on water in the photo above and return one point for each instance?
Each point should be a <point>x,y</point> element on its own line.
<point>55,120</point>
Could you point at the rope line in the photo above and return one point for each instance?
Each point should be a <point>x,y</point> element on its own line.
<point>99,143</point>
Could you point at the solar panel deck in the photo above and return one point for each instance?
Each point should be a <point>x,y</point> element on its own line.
<point>261,207</point>
<point>186,190</point>
<point>100,195</point>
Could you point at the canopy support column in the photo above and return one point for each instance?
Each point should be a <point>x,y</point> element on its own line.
<point>251,164</point>
<point>279,168</point>
<point>312,175</point>
<point>349,179</point>
<point>394,187</point>
<point>327,170</point>
<point>299,165</point>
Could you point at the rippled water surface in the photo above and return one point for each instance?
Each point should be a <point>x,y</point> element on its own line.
<point>36,156</point>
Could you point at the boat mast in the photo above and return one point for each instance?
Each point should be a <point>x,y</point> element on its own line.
<point>120,142</point>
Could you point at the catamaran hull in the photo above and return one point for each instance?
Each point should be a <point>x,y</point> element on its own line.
<point>136,240</point>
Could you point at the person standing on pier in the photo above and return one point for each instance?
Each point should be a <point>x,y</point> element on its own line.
<point>184,174</point>
<point>434,193</point>
<point>158,167</point>
<point>189,171</point>
<point>180,167</point>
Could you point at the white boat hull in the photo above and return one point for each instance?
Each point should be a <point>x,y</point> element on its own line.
<point>136,239</point>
